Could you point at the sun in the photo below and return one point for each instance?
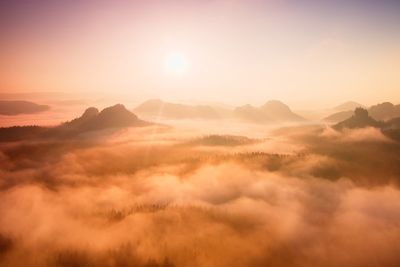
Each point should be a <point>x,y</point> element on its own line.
<point>176,63</point>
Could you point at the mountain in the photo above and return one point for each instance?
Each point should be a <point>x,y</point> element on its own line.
<point>393,123</point>
<point>348,106</point>
<point>392,129</point>
<point>157,108</point>
<point>272,111</point>
<point>339,116</point>
<point>278,111</point>
<point>360,119</point>
<point>20,107</point>
<point>79,122</point>
<point>112,117</point>
<point>16,133</point>
<point>383,111</point>
<point>91,120</point>
<point>251,114</point>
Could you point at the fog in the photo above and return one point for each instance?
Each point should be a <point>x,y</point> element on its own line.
<point>168,196</point>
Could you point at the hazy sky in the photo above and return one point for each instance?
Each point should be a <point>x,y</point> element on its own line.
<point>305,52</point>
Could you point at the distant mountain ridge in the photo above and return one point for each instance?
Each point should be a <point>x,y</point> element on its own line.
<point>113,117</point>
<point>16,107</point>
<point>349,105</point>
<point>271,111</point>
<point>158,108</point>
<point>383,111</point>
<point>361,119</point>
<point>339,116</point>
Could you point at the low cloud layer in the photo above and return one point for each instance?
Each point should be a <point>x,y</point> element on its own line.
<point>149,197</point>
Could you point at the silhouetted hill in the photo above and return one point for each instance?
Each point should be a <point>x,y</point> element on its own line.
<point>16,133</point>
<point>347,106</point>
<point>251,114</point>
<point>158,108</point>
<point>272,111</point>
<point>343,111</point>
<point>279,111</point>
<point>392,129</point>
<point>360,119</point>
<point>383,111</point>
<point>91,120</point>
<point>393,123</point>
<point>339,116</point>
<point>20,107</point>
<point>112,117</point>
<point>89,114</point>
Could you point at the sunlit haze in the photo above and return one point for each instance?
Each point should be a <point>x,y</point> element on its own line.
<point>176,62</point>
<point>302,52</point>
<point>200,133</point>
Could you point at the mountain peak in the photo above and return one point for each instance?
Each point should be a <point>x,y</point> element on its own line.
<point>280,111</point>
<point>348,105</point>
<point>118,108</point>
<point>90,112</point>
<point>16,107</point>
<point>360,119</point>
<point>151,103</point>
<point>385,111</point>
<point>158,108</point>
<point>361,113</point>
<point>115,116</point>
<point>111,117</point>
<point>276,105</point>
<point>271,111</point>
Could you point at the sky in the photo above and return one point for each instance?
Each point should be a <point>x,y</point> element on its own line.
<point>306,53</point>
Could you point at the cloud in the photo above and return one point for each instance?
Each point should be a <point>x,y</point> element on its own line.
<point>369,134</point>
<point>133,200</point>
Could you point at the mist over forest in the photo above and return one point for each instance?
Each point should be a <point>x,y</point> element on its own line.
<point>108,189</point>
<point>183,133</point>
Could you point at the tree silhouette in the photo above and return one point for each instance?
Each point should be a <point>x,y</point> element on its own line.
<point>361,112</point>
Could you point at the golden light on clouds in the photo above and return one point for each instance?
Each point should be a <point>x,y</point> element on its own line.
<point>215,133</point>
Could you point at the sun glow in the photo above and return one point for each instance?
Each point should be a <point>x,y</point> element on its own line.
<point>175,63</point>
